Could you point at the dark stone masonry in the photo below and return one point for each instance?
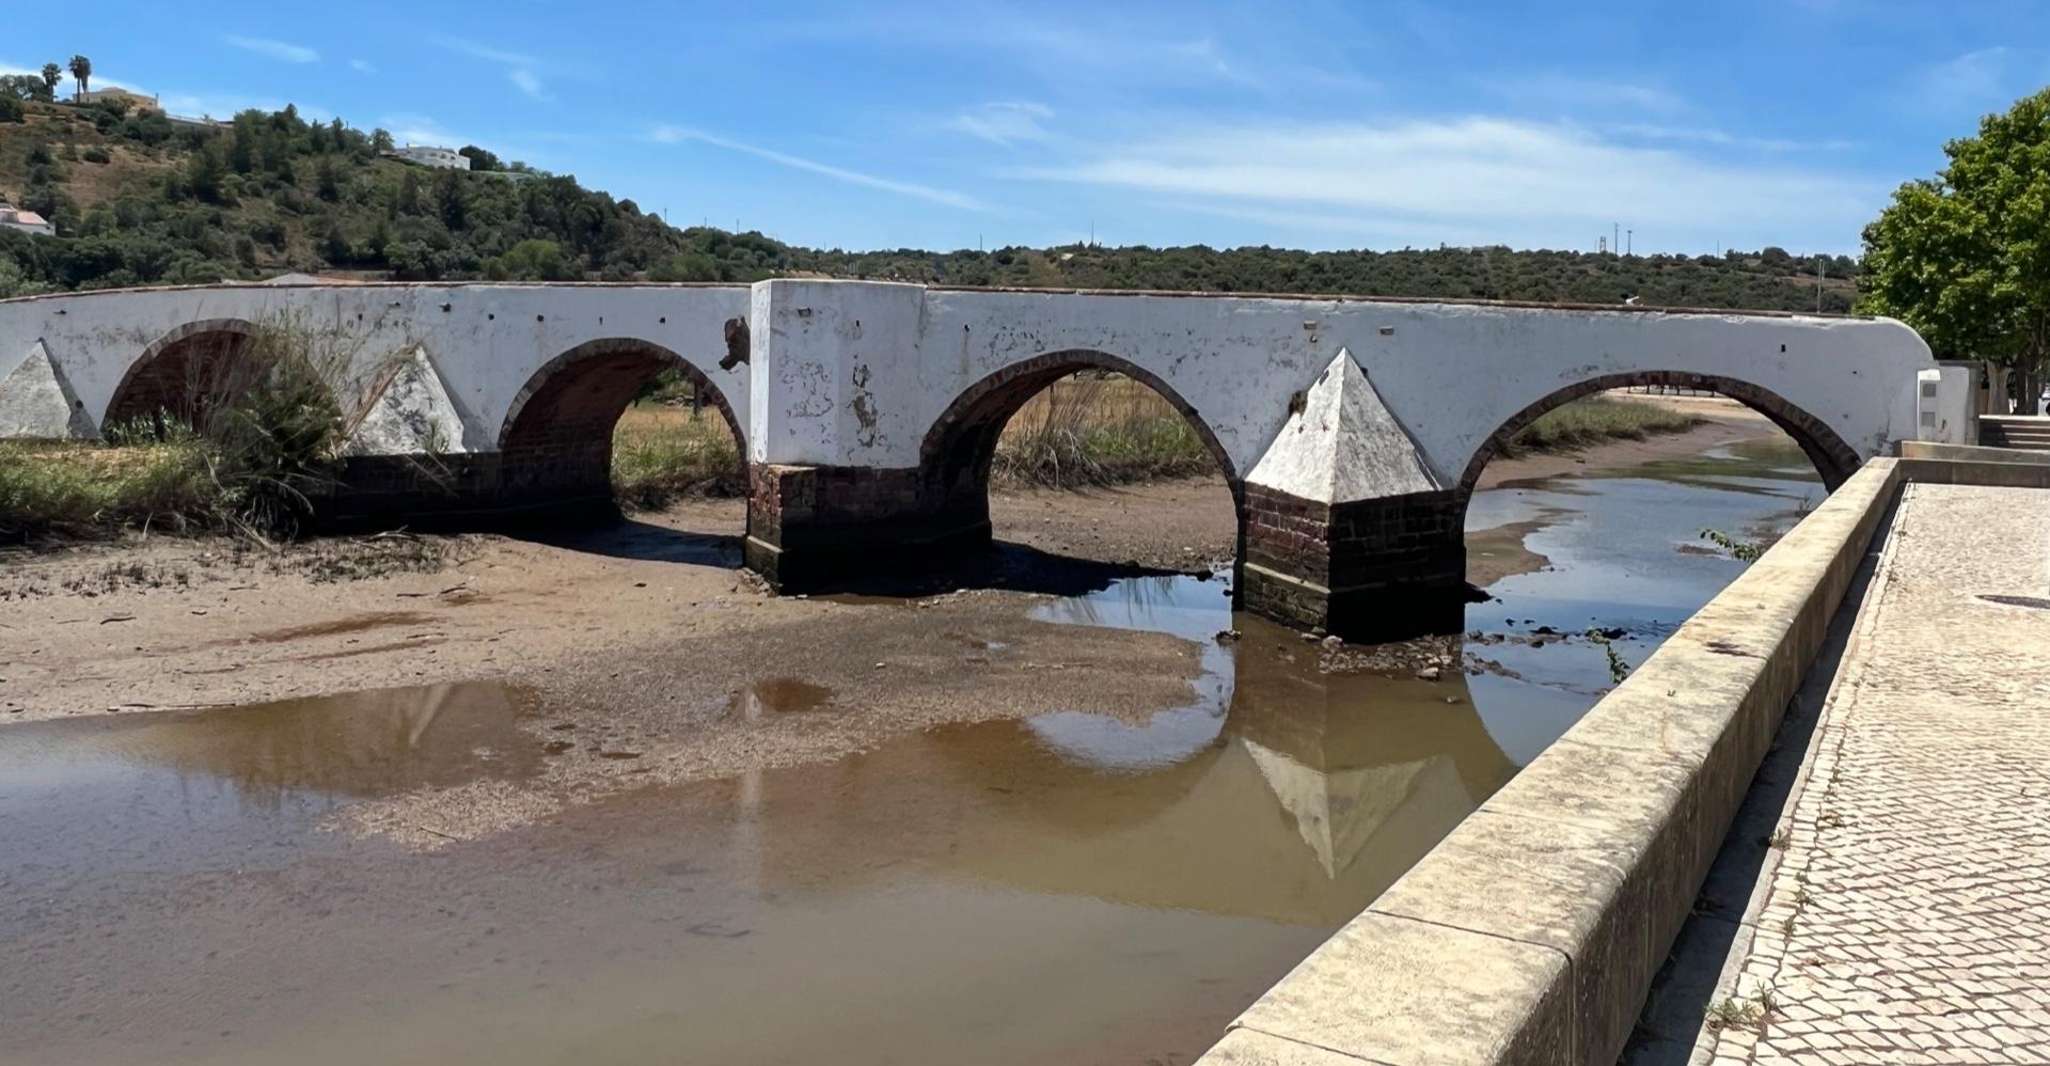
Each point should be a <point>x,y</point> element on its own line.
<point>1384,569</point>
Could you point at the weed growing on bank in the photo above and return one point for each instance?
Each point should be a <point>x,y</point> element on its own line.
<point>247,445</point>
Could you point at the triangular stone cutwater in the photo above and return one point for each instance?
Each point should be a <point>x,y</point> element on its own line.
<point>1343,445</point>
<point>36,401</point>
<point>410,414</point>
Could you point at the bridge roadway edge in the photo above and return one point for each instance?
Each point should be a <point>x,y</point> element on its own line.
<point>1533,932</point>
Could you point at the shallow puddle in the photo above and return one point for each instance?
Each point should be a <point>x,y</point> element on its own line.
<point>779,695</point>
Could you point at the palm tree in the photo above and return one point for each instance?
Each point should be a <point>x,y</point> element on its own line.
<point>52,74</point>
<point>82,69</point>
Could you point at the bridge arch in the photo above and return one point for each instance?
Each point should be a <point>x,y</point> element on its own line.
<point>184,375</point>
<point>961,443</point>
<point>555,443</point>
<point>1834,458</point>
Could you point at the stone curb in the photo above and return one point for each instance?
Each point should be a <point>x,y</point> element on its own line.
<point>1531,934</point>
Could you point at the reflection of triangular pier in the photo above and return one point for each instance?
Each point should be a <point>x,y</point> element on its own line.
<point>36,401</point>
<point>1321,790</point>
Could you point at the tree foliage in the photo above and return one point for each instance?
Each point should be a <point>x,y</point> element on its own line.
<point>1964,257</point>
<point>271,192</point>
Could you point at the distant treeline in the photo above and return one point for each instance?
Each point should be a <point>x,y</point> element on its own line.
<point>140,199</point>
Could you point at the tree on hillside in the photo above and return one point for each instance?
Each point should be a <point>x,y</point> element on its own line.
<point>479,158</point>
<point>82,70</point>
<point>1961,256</point>
<point>52,76</point>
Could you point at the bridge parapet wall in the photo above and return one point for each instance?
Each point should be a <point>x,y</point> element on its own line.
<point>1532,932</point>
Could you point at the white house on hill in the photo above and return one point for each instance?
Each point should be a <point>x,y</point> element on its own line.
<point>15,218</point>
<point>428,156</point>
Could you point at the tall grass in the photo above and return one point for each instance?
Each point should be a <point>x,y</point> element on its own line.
<point>1097,430</point>
<point>73,489</point>
<point>251,443</point>
<point>661,453</point>
<point>1593,420</point>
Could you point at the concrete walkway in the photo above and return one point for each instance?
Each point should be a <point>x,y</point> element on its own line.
<point>1907,917</point>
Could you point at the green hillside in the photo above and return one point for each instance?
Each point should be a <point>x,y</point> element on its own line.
<point>139,199</point>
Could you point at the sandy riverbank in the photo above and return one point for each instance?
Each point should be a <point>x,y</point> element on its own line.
<point>645,637</point>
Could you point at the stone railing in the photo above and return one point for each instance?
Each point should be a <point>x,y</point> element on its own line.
<point>1532,932</point>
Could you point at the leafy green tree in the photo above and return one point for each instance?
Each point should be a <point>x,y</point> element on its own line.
<point>82,72</point>
<point>532,260</point>
<point>11,109</point>
<point>328,180</point>
<point>451,200</point>
<point>53,75</point>
<point>204,173</point>
<point>1962,256</point>
<point>479,158</point>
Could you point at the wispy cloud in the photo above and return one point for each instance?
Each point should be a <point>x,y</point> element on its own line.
<point>1003,122</point>
<point>1511,177</point>
<point>362,66</point>
<point>283,51</point>
<point>945,197</point>
<point>1723,138</point>
<point>225,105</point>
<point>1589,96</point>
<point>407,127</point>
<point>526,82</point>
<point>1969,80</point>
<point>521,69</point>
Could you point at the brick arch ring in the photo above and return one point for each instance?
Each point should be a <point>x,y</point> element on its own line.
<point>1833,457</point>
<point>135,381</point>
<point>611,369</point>
<point>968,429</point>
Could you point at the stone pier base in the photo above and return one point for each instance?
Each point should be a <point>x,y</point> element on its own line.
<point>1372,570</point>
<point>820,527</point>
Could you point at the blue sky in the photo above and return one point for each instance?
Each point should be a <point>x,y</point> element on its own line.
<point>1320,125</point>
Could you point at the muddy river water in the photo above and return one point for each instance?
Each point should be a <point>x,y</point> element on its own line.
<point>1071,887</point>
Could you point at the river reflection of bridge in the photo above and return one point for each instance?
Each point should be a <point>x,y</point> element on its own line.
<point>1281,792</point>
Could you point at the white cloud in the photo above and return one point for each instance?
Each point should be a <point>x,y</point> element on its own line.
<point>98,81</point>
<point>1525,181</point>
<point>521,69</point>
<point>1590,95</point>
<point>362,66</point>
<point>528,83</point>
<point>408,127</point>
<point>1969,80</point>
<point>228,105</point>
<point>1004,122</point>
<point>1723,138</point>
<point>945,197</point>
<point>486,52</point>
<point>283,51</point>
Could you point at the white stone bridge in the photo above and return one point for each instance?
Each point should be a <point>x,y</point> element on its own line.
<point>1351,430</point>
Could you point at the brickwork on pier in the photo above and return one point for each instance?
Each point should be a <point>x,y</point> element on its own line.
<point>1372,568</point>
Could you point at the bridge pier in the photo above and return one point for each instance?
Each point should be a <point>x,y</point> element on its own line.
<point>1347,528</point>
<point>1389,568</point>
<point>814,527</point>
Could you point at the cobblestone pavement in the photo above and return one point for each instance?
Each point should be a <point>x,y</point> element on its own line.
<point>1909,921</point>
